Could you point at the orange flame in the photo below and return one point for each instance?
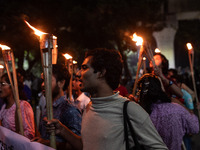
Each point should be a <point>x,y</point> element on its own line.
<point>189,46</point>
<point>157,50</point>
<point>137,39</point>
<point>4,47</point>
<point>37,32</point>
<point>74,62</point>
<point>1,66</point>
<point>67,56</point>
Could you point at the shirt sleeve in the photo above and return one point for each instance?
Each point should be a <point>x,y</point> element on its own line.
<point>190,122</point>
<point>71,117</point>
<point>28,120</point>
<point>144,129</point>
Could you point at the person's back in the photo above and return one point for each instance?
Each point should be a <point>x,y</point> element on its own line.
<point>172,122</point>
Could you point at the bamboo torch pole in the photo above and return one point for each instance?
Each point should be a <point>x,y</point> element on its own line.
<point>7,53</point>
<point>46,46</point>
<point>144,65</point>
<point>69,61</point>
<point>191,52</point>
<point>139,41</point>
<point>138,69</point>
<point>1,70</point>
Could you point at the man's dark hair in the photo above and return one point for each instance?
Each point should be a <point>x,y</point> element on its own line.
<point>111,61</point>
<point>175,73</point>
<point>150,91</point>
<point>164,63</point>
<point>61,73</point>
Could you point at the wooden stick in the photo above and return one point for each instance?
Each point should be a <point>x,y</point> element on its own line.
<point>14,89</point>
<point>17,101</point>
<point>144,66</point>
<point>70,68</point>
<point>138,69</point>
<point>194,85</point>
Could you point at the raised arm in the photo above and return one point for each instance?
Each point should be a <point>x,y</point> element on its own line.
<point>173,88</point>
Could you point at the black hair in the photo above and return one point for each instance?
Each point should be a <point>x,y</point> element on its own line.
<point>22,94</point>
<point>61,73</point>
<point>150,91</point>
<point>164,63</point>
<point>111,61</point>
<point>175,73</point>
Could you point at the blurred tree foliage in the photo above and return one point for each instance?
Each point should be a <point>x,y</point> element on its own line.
<point>78,24</point>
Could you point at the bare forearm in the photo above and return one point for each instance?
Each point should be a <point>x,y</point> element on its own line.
<point>71,138</point>
<point>173,88</point>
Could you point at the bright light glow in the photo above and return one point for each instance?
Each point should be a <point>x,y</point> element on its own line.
<point>144,58</point>
<point>37,32</point>
<point>4,47</point>
<point>54,37</point>
<point>1,66</point>
<point>67,56</point>
<point>189,46</point>
<point>137,39</point>
<point>157,50</point>
<point>74,62</point>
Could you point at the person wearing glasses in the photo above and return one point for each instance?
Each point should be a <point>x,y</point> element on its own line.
<point>8,115</point>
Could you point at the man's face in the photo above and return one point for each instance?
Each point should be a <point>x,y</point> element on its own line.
<point>55,88</point>
<point>76,84</point>
<point>158,60</point>
<point>88,78</point>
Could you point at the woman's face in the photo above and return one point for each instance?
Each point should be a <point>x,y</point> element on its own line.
<point>158,61</point>
<point>5,89</point>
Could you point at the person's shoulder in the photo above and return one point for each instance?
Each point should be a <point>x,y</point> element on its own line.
<point>134,107</point>
<point>136,113</point>
<point>67,106</point>
<point>66,103</point>
<point>25,103</point>
<point>178,108</point>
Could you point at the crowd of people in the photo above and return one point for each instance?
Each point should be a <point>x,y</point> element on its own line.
<point>160,113</point>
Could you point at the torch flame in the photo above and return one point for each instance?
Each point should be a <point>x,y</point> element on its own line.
<point>137,39</point>
<point>157,50</point>
<point>74,62</point>
<point>4,47</point>
<point>1,66</point>
<point>37,32</point>
<point>67,56</point>
<point>189,46</point>
<point>54,37</point>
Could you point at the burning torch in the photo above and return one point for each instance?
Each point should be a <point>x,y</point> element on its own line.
<point>8,56</point>
<point>139,42</point>
<point>69,63</point>
<point>47,48</point>
<point>191,60</point>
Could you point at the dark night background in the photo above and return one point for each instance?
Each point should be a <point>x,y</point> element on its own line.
<point>86,24</point>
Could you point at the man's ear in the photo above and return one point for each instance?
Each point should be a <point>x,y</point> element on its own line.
<point>61,83</point>
<point>101,74</point>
